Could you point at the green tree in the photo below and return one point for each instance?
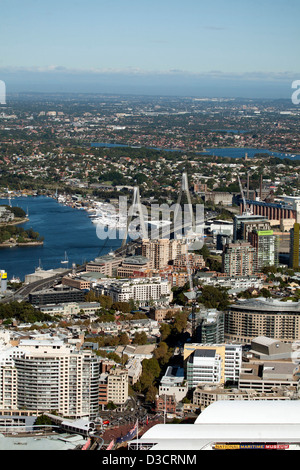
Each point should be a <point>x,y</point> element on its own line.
<point>204,252</point>
<point>165,331</point>
<point>43,420</point>
<point>18,212</point>
<point>123,307</point>
<point>162,353</point>
<point>124,338</point>
<point>140,338</point>
<point>105,301</point>
<point>151,393</point>
<point>214,297</point>
<point>151,367</point>
<point>265,292</point>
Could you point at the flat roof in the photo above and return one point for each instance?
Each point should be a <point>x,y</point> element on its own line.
<point>254,412</point>
<point>53,442</point>
<point>271,305</point>
<point>204,353</point>
<point>174,371</point>
<point>136,260</point>
<point>237,421</point>
<point>199,437</point>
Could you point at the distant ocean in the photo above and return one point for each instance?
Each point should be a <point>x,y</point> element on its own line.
<point>64,230</point>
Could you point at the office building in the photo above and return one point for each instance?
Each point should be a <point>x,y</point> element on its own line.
<point>266,377</point>
<point>106,265</point>
<point>135,266</point>
<point>76,282</point>
<point>117,386</point>
<point>243,224</point>
<point>56,295</point>
<point>3,281</point>
<point>204,366</point>
<point>212,363</point>
<point>71,309</point>
<point>173,383</point>
<point>294,261</point>
<point>142,290</point>
<point>210,326</point>
<point>205,395</point>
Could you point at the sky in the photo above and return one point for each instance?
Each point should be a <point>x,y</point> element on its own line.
<point>217,47</point>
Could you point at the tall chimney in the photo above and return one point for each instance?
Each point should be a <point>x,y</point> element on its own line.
<point>248,186</point>
<point>260,190</point>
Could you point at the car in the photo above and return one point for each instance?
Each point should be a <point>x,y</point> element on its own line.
<point>106,422</point>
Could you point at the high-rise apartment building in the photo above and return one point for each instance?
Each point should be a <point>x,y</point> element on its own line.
<point>238,259</point>
<point>162,250</point>
<point>48,376</point>
<point>272,318</point>
<point>266,248</point>
<point>255,230</point>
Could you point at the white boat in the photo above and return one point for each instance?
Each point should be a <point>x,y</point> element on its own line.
<point>66,260</point>
<point>61,199</point>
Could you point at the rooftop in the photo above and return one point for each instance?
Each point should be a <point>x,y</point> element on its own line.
<point>53,442</point>
<point>136,260</point>
<point>271,305</point>
<point>251,412</point>
<point>240,421</point>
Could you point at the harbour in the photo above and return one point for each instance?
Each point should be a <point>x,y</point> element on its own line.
<point>227,152</point>
<point>66,231</point>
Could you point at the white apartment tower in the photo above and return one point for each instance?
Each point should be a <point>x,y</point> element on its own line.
<point>48,376</point>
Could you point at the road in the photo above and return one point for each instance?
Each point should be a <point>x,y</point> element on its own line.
<point>24,291</point>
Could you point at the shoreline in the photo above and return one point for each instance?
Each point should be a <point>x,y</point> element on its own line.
<point>17,222</point>
<point>12,245</point>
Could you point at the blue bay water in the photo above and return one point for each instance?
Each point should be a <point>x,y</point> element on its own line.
<point>64,230</point>
<point>232,152</point>
<point>238,152</point>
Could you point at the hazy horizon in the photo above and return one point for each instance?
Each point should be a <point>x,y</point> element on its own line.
<point>169,84</point>
<point>199,48</point>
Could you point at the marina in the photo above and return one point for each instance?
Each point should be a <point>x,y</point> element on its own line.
<point>66,230</point>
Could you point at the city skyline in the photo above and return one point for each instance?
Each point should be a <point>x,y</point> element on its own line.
<point>163,48</point>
